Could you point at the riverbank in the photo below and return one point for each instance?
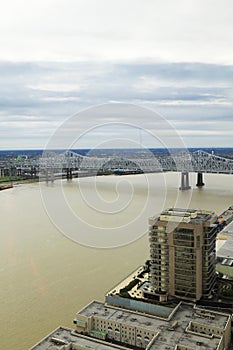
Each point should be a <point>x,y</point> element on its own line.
<point>5,187</point>
<point>8,182</point>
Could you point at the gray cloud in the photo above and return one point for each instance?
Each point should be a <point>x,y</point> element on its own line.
<point>36,97</point>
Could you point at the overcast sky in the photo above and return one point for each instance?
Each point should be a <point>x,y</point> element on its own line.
<point>59,57</point>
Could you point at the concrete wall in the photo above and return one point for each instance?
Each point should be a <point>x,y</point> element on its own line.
<point>157,310</point>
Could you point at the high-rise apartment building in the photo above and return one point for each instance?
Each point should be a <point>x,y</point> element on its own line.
<point>182,254</point>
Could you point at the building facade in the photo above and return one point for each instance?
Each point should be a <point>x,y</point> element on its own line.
<point>187,327</point>
<point>102,327</point>
<point>182,254</point>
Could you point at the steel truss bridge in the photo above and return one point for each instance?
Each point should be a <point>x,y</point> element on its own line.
<point>68,164</point>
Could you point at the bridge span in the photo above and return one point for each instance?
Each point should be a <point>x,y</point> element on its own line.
<point>68,164</point>
<point>184,162</point>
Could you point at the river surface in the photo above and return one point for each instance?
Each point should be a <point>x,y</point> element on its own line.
<point>47,277</point>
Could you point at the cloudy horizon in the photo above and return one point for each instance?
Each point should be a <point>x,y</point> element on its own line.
<point>59,58</point>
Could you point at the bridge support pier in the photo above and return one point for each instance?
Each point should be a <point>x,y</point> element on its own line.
<point>69,174</point>
<point>200,182</point>
<point>185,181</point>
<point>33,172</point>
<point>49,175</point>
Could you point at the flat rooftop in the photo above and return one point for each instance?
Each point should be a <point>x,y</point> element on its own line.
<point>184,312</point>
<point>201,315</point>
<point>67,336</point>
<point>228,230</point>
<point>168,341</point>
<point>111,313</point>
<point>167,337</point>
<point>226,249</point>
<point>224,243</point>
<point>191,216</point>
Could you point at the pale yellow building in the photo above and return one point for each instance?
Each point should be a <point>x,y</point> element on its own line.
<point>186,326</point>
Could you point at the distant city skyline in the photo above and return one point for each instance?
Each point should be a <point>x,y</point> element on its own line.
<point>60,57</point>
